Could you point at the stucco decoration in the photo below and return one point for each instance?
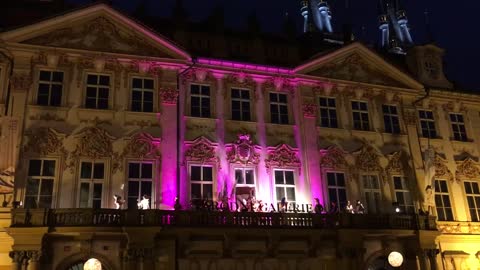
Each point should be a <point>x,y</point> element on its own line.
<point>44,141</point>
<point>201,150</point>
<point>241,80</point>
<point>467,169</point>
<point>310,110</point>
<point>169,95</point>
<point>94,142</point>
<point>367,160</point>
<point>21,81</point>
<point>143,145</point>
<point>356,68</point>
<point>7,182</point>
<point>394,165</point>
<point>283,156</point>
<point>449,228</point>
<point>410,117</point>
<point>243,151</point>
<point>441,169</point>
<point>99,34</point>
<point>333,158</point>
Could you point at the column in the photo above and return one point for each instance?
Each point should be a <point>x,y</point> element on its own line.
<point>33,260</point>
<point>432,258</point>
<point>17,259</point>
<point>223,173</point>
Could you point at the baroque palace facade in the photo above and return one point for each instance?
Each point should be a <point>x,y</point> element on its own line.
<point>94,105</point>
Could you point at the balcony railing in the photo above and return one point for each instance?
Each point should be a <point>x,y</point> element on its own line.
<point>114,218</point>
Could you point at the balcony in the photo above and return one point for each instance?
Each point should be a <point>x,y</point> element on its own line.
<point>166,218</point>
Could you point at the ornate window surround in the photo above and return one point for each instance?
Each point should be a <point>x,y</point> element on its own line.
<point>369,112</point>
<point>156,101</point>
<point>106,184</point>
<point>112,92</point>
<point>56,181</point>
<point>228,104</point>
<point>65,84</point>
<point>268,115</point>
<point>337,107</point>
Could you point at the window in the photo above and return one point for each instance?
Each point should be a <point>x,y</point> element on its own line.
<point>41,176</point>
<point>402,195</point>
<point>337,192</point>
<point>240,104</point>
<point>140,181</point>
<point>201,182</point>
<point>390,118</point>
<point>442,201</point>
<point>371,188</point>
<point>360,115</point>
<point>98,88</point>
<point>285,186</point>
<point>142,95</point>
<point>427,123</point>
<point>50,86</point>
<point>200,100</point>
<point>473,199</point>
<point>328,112</point>
<point>458,127</point>
<point>278,108</point>
<point>92,176</point>
<point>245,183</point>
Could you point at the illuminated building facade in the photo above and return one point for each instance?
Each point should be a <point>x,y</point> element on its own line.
<point>97,105</point>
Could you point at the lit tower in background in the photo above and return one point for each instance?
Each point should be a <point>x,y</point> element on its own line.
<point>304,11</point>
<point>319,12</point>
<point>325,16</point>
<point>393,26</point>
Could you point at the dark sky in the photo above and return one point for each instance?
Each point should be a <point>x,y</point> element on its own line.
<point>454,24</point>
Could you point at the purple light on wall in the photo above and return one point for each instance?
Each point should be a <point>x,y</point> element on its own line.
<point>243,66</point>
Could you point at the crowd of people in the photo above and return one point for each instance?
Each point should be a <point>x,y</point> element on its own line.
<point>335,209</point>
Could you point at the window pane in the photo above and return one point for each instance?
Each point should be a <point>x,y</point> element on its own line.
<point>289,178</point>
<point>86,170</point>
<point>331,179</point>
<point>45,75</point>
<point>134,170</point>
<point>195,173</point>
<point>34,167</point>
<point>279,177</point>
<point>290,194</point>
<point>249,179</point>
<point>196,191</point>
<point>148,84</point>
<point>207,174</point>
<point>280,192</point>
<point>32,187</point>
<point>97,191</point>
<point>84,194</point>
<point>207,191</point>
<point>98,170</point>
<point>45,202</point>
<point>133,189</point>
<point>57,76</point>
<point>147,170</point>
<point>104,80</point>
<point>340,180</point>
<point>47,187</point>
<point>91,79</point>
<point>48,168</point>
<point>146,187</point>
<point>239,177</point>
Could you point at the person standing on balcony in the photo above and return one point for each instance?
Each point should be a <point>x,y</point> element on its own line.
<point>318,206</point>
<point>349,208</point>
<point>177,206</point>
<point>144,203</point>
<point>283,205</point>
<point>118,201</point>
<point>359,208</point>
<point>333,208</point>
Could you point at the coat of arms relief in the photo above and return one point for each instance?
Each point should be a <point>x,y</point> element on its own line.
<point>243,151</point>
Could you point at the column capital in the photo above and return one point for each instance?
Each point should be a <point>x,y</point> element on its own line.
<point>17,256</point>
<point>309,110</point>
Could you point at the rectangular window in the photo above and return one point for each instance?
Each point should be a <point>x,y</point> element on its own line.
<point>140,183</point>
<point>50,87</point>
<point>427,123</point>
<point>98,88</point>
<point>201,182</point>
<point>390,119</point>
<point>473,198</point>
<point>245,183</point>
<point>142,95</point>
<point>442,201</point>
<point>278,108</point>
<point>402,195</point>
<point>92,177</point>
<point>360,115</point>
<point>328,112</point>
<point>240,104</point>
<point>285,186</point>
<point>337,191</point>
<point>200,100</point>
<point>371,188</point>
<point>40,181</point>
<point>458,127</point>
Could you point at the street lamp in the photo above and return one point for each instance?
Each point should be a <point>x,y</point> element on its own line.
<point>92,264</point>
<point>395,259</point>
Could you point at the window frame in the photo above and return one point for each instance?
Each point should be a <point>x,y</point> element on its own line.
<point>458,124</point>
<point>153,90</point>
<point>50,83</point>
<point>287,105</point>
<point>92,181</point>
<point>420,119</point>
<point>391,116</point>
<point>55,178</point>
<point>361,112</point>
<point>405,189</point>
<point>329,109</point>
<point>327,190</point>
<point>213,182</point>
<point>241,100</point>
<point>467,206</point>
<point>284,186</point>
<point>254,174</point>
<point>140,180</point>
<point>448,193</point>
<point>211,99</point>
<point>110,87</point>
<point>379,208</point>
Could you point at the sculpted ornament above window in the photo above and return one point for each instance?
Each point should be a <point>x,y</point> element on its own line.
<point>333,158</point>
<point>243,151</point>
<point>44,141</point>
<point>395,165</point>
<point>201,150</point>
<point>94,142</point>
<point>467,169</point>
<point>21,81</point>
<point>282,156</point>
<point>441,169</point>
<point>141,146</point>
<point>368,160</point>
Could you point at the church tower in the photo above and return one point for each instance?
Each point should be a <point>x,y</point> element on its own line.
<point>318,12</point>
<point>393,25</point>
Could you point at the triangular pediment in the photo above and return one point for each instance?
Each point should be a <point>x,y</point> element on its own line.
<point>96,28</point>
<point>356,63</point>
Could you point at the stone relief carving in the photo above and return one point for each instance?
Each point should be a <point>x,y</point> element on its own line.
<point>99,34</point>
<point>44,141</point>
<point>243,151</point>
<point>333,158</point>
<point>467,169</point>
<point>441,169</point>
<point>310,110</point>
<point>21,81</point>
<point>355,68</point>
<point>46,117</point>
<point>449,228</point>
<point>410,117</point>
<point>201,150</point>
<point>394,163</point>
<point>6,184</point>
<point>282,156</point>
<point>367,160</point>
<point>140,146</point>
<point>169,95</point>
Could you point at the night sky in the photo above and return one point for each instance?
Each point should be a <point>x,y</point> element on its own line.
<point>453,24</point>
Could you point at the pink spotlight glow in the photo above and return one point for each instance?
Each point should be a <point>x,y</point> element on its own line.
<point>245,66</point>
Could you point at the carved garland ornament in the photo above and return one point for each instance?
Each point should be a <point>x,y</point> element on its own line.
<point>367,160</point>
<point>43,141</point>
<point>94,142</point>
<point>282,156</point>
<point>333,158</point>
<point>441,170</point>
<point>201,150</point>
<point>394,163</point>
<point>467,169</point>
<point>243,151</point>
